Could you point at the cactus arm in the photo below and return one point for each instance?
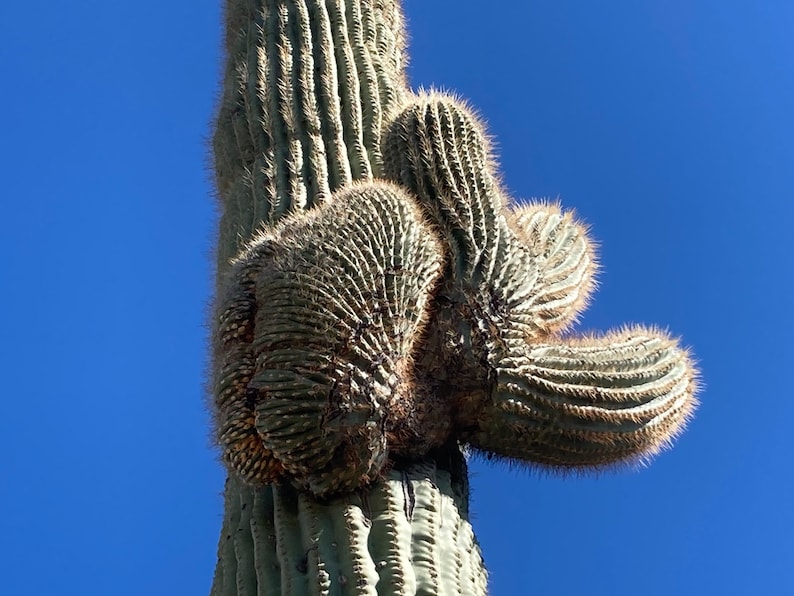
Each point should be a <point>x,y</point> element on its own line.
<point>565,258</point>
<point>425,150</point>
<point>586,403</point>
<point>521,276</point>
<point>536,262</point>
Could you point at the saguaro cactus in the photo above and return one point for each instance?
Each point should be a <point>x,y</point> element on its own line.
<point>381,304</point>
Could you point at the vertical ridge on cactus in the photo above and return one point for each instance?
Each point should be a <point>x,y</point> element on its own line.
<point>307,87</point>
<point>407,535</point>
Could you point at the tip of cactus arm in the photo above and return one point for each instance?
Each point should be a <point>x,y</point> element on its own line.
<point>523,217</point>
<point>425,97</point>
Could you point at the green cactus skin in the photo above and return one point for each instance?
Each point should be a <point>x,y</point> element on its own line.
<point>365,329</point>
<point>407,535</point>
<point>307,88</point>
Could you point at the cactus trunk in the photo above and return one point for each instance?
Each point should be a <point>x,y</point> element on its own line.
<point>407,534</point>
<point>307,88</point>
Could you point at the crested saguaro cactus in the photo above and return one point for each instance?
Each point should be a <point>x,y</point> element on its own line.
<point>380,304</point>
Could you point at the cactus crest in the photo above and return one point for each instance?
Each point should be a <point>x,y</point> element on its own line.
<point>317,333</point>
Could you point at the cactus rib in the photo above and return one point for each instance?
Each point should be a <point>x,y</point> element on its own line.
<point>307,87</point>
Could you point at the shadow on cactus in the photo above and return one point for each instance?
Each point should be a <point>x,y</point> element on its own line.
<point>402,316</point>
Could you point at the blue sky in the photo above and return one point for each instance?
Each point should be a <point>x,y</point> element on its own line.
<point>667,124</point>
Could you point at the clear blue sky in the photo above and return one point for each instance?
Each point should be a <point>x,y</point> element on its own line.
<point>667,124</point>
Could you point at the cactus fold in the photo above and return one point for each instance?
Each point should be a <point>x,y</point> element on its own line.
<point>380,303</point>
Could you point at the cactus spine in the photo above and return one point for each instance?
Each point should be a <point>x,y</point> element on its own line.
<point>379,304</point>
